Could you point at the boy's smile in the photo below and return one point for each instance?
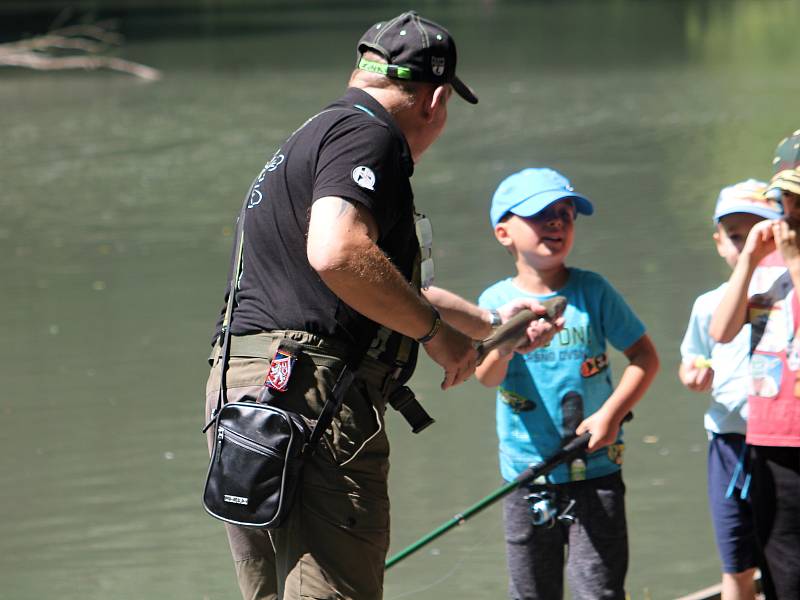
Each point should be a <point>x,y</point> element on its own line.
<point>545,239</point>
<point>555,225</point>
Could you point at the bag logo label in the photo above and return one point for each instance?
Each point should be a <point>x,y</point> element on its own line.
<point>235,499</point>
<point>280,370</point>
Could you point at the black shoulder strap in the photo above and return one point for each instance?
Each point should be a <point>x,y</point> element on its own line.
<point>226,321</point>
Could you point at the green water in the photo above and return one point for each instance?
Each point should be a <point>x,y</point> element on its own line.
<point>117,198</point>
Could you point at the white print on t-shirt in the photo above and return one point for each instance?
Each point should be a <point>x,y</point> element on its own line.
<point>364,177</point>
<point>765,375</point>
<point>255,195</point>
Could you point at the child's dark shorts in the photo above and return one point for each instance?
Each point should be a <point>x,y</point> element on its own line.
<point>732,516</point>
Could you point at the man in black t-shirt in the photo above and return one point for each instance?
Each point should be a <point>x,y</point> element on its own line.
<point>336,257</point>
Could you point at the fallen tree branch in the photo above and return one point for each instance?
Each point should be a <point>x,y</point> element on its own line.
<point>57,63</point>
<point>72,47</point>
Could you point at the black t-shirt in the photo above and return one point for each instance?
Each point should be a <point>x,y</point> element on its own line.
<point>352,149</point>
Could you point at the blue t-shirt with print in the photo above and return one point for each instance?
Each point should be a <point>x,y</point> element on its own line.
<point>549,391</point>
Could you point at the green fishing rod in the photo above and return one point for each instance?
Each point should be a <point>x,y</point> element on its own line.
<point>565,453</point>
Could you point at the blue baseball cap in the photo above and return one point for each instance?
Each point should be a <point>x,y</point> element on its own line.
<point>530,191</point>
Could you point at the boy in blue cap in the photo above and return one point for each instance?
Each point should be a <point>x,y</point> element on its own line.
<point>722,369</point>
<point>547,396</point>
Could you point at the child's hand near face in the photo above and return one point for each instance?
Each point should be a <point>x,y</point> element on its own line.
<point>785,235</point>
<point>760,241</point>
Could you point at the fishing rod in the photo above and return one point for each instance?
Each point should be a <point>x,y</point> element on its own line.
<point>569,450</point>
<point>507,337</point>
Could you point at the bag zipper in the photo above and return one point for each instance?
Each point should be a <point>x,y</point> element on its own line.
<point>242,441</point>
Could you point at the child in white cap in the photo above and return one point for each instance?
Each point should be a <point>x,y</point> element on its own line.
<point>773,420</point>
<point>547,396</point>
<point>722,370</point>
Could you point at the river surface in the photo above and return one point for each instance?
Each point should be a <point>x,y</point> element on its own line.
<point>117,199</point>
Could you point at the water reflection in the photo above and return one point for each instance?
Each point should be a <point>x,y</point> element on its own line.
<point>117,203</point>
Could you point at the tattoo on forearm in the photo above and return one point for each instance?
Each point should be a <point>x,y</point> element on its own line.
<point>344,208</point>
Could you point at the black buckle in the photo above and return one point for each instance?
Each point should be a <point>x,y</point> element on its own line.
<point>405,402</point>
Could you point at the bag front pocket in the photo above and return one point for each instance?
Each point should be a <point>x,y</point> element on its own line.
<point>248,468</point>
<point>252,481</point>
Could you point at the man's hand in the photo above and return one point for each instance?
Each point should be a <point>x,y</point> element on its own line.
<point>454,352</point>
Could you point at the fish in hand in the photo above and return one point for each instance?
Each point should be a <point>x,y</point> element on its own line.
<point>513,333</point>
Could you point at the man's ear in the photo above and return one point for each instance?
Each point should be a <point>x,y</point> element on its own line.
<point>435,99</point>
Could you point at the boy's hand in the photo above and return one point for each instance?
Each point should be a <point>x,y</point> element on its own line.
<point>760,241</point>
<point>785,239</point>
<point>540,332</point>
<point>696,377</point>
<point>604,430</point>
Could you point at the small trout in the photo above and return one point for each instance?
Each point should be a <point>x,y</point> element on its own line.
<point>512,334</point>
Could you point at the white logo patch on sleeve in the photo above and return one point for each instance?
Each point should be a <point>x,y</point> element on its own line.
<point>364,177</point>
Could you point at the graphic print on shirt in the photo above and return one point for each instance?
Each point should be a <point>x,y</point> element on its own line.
<point>768,320</point>
<point>255,194</point>
<point>364,177</point>
<point>594,365</point>
<point>516,402</point>
<point>568,344</point>
<point>574,366</point>
<point>571,414</point>
<point>765,375</point>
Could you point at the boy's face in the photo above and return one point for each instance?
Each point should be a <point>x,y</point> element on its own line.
<point>732,233</point>
<point>543,240</point>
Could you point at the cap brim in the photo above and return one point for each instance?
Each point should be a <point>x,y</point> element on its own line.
<point>463,90</point>
<point>760,211</point>
<point>535,204</point>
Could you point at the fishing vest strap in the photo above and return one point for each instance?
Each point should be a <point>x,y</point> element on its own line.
<point>387,379</point>
<point>404,401</point>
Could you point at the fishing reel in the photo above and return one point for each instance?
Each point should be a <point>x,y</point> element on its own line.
<point>545,509</point>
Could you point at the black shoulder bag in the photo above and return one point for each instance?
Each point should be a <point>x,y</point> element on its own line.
<point>257,461</point>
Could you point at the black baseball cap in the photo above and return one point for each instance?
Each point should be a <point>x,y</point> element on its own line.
<point>415,49</point>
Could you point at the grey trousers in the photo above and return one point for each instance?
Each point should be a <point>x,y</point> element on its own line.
<point>594,548</point>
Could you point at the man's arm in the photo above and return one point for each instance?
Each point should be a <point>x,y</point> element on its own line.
<point>636,378</point>
<point>341,248</point>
